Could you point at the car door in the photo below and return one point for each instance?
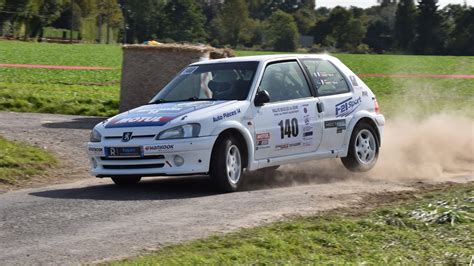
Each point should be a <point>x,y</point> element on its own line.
<point>289,123</point>
<point>338,101</point>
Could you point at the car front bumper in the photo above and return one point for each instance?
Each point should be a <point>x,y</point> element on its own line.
<point>157,157</point>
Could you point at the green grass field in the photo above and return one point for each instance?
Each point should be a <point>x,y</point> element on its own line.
<point>81,92</point>
<point>436,228</point>
<point>92,92</point>
<point>20,162</point>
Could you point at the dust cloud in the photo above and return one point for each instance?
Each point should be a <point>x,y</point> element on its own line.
<point>435,148</point>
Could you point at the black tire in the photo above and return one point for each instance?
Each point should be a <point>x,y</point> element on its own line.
<point>126,180</point>
<point>227,175</point>
<point>363,152</point>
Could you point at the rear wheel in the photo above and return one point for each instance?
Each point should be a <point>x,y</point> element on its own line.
<point>363,149</point>
<point>126,180</point>
<point>227,164</point>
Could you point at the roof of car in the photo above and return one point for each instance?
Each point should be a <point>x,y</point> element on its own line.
<point>262,58</point>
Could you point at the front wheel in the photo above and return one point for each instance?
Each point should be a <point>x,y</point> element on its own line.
<point>126,180</point>
<point>226,164</point>
<point>363,149</point>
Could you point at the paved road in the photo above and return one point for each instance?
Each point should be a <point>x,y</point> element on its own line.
<point>90,219</point>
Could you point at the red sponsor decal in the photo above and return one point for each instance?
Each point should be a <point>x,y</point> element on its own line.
<point>263,136</point>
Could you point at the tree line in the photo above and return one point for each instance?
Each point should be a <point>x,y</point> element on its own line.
<point>403,26</point>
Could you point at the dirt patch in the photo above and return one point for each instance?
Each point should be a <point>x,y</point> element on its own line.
<point>64,136</point>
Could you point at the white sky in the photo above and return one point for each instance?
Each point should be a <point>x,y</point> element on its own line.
<point>368,3</point>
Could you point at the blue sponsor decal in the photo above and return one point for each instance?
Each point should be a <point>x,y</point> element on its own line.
<point>347,106</point>
<point>226,115</point>
<point>157,114</point>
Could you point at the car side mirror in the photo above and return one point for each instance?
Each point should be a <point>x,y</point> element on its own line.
<point>262,98</point>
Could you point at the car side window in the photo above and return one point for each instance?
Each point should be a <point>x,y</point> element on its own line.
<point>285,81</point>
<point>326,77</point>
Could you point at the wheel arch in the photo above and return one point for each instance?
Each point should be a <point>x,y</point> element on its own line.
<point>362,118</point>
<point>372,123</point>
<point>243,136</point>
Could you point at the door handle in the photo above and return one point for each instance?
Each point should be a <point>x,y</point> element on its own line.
<point>319,105</point>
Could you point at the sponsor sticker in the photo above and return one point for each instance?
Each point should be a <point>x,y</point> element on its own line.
<point>226,115</point>
<point>263,136</point>
<point>347,106</point>
<point>340,125</point>
<point>287,145</point>
<point>262,141</point>
<point>164,147</point>
<point>96,150</point>
<point>139,119</point>
<point>286,110</point>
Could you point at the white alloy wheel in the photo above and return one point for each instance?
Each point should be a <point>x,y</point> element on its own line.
<point>363,149</point>
<point>234,164</point>
<point>365,146</point>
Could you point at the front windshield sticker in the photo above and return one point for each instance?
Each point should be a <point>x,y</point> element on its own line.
<point>189,70</point>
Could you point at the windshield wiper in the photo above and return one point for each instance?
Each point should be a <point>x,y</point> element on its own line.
<point>159,101</point>
<point>196,99</point>
<point>192,99</point>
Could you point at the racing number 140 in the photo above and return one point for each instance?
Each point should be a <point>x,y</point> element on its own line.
<point>290,129</point>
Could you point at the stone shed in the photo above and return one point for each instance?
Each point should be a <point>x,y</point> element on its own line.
<point>146,69</point>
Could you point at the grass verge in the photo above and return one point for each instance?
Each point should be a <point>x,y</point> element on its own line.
<point>57,99</point>
<point>20,162</point>
<point>429,228</point>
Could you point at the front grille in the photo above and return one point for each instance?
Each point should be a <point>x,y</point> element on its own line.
<point>148,157</point>
<point>140,166</point>
<point>133,137</point>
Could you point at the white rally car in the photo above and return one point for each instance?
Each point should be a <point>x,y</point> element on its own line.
<point>221,117</point>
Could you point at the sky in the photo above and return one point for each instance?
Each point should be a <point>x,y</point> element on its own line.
<point>368,3</point>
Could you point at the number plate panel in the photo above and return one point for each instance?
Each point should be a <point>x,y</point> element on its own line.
<point>123,152</point>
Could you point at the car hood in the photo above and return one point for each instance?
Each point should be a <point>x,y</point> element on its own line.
<point>157,114</point>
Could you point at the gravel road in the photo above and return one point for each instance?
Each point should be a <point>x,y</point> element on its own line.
<point>84,219</point>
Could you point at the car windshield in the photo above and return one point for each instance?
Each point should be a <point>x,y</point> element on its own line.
<point>218,81</point>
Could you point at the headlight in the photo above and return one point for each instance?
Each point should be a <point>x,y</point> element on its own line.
<point>95,136</point>
<point>180,132</point>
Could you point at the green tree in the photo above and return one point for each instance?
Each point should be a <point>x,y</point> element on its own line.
<point>349,36</point>
<point>10,11</point>
<point>183,21</point>
<point>144,20</point>
<point>108,11</point>
<point>232,21</point>
<point>378,36</point>
<point>429,38</point>
<point>462,37</point>
<point>405,19</point>
<point>305,20</point>
<point>38,14</point>
<point>281,32</point>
